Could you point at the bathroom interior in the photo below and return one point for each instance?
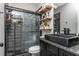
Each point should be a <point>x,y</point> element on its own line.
<point>39,29</point>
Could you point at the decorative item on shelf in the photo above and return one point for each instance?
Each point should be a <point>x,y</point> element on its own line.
<point>45,23</point>
<point>44,15</point>
<point>41,25</point>
<point>45,26</point>
<point>47,14</point>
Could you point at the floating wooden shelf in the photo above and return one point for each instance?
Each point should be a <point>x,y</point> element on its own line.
<point>46,19</point>
<point>46,29</point>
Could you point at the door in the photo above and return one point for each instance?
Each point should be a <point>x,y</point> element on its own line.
<point>1,29</point>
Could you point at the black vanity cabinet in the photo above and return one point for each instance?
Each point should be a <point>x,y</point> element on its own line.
<point>65,53</point>
<point>48,50</point>
<point>43,50</point>
<point>52,50</point>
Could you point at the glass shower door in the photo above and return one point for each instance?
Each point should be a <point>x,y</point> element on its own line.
<point>30,30</point>
<point>22,32</point>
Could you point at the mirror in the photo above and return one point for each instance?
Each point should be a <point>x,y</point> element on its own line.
<point>68,17</point>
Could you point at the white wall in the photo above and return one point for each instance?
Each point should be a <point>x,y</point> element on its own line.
<point>51,23</point>
<point>68,13</point>
<point>76,5</point>
<point>2,28</point>
<point>27,6</point>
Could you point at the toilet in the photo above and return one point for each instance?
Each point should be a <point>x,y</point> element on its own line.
<point>34,50</point>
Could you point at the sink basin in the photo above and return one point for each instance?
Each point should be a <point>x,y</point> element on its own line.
<point>65,40</point>
<point>63,36</point>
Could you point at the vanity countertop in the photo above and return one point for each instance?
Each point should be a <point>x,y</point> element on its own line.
<point>73,49</point>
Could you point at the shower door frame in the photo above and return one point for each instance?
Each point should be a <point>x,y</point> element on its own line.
<point>20,10</point>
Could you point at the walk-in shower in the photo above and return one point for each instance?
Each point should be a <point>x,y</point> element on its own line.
<point>21,30</point>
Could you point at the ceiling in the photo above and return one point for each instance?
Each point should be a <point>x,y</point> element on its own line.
<point>59,4</point>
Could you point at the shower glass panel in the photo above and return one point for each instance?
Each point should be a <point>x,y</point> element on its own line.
<point>13,30</point>
<point>22,31</point>
<point>30,30</point>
